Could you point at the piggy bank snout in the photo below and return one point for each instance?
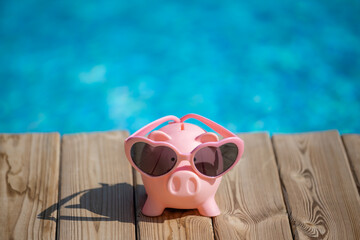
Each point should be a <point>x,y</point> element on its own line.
<point>184,183</point>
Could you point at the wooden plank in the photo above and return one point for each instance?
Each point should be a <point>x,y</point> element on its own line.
<point>29,175</point>
<point>250,196</point>
<point>352,146</point>
<point>321,191</point>
<point>96,188</point>
<point>172,224</point>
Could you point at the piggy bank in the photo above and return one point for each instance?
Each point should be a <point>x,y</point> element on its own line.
<point>181,164</point>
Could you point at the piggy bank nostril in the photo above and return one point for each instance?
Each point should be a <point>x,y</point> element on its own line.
<point>176,184</point>
<point>192,185</point>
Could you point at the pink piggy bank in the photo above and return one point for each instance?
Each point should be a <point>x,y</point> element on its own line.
<point>181,164</point>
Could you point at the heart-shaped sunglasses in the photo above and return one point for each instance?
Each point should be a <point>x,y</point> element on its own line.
<point>209,159</point>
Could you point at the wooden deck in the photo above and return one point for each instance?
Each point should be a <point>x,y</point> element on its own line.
<point>298,186</point>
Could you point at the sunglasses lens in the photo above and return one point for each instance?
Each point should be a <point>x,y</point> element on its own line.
<point>155,161</point>
<point>213,161</point>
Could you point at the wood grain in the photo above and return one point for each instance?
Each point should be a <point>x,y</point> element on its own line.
<point>172,224</point>
<point>96,188</point>
<point>29,175</point>
<point>352,146</point>
<point>321,191</point>
<point>250,196</point>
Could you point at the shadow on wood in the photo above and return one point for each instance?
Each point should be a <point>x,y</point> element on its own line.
<point>104,201</point>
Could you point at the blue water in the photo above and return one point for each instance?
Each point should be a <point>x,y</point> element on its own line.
<point>75,66</point>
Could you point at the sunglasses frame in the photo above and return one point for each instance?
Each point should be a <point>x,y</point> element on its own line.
<point>228,138</point>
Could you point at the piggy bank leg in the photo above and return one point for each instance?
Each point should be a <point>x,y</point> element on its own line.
<point>152,208</point>
<point>209,208</point>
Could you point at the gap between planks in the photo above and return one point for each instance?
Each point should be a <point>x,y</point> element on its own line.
<point>293,229</point>
<point>352,146</point>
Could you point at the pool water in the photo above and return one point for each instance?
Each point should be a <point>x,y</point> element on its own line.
<point>76,66</point>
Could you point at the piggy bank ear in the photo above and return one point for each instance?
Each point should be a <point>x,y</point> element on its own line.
<point>159,136</point>
<point>207,137</point>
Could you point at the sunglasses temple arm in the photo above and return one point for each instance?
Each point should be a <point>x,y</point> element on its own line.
<point>213,125</point>
<point>144,130</point>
